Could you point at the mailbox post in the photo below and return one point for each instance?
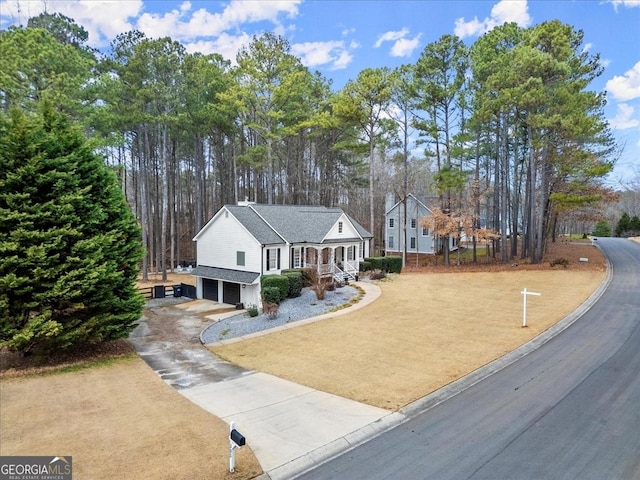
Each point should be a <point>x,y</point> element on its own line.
<point>236,440</point>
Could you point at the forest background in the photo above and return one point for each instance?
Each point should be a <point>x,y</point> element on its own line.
<point>513,140</point>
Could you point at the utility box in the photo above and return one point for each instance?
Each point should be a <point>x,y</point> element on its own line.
<point>158,291</point>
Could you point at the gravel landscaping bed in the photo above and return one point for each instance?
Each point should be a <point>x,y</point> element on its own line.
<point>290,310</point>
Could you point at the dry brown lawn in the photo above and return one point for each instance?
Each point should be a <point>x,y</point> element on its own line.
<point>172,279</point>
<point>119,420</point>
<point>425,331</point>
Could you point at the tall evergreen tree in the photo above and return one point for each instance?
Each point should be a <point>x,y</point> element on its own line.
<point>70,244</point>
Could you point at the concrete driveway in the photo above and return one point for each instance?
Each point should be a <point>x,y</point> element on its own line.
<point>289,427</point>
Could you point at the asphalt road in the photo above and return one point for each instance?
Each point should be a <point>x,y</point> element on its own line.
<point>568,410</point>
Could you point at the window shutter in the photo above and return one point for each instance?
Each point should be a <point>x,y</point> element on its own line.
<point>278,265</point>
<point>267,259</point>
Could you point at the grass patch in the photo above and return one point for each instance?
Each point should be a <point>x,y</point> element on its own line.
<point>444,326</point>
<point>117,421</point>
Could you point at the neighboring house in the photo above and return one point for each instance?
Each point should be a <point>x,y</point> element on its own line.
<point>419,239</point>
<point>245,241</point>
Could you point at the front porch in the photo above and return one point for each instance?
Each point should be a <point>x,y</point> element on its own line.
<point>340,262</point>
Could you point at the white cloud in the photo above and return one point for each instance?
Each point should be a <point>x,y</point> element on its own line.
<point>332,53</point>
<point>391,36</point>
<point>626,87</point>
<point>181,24</point>
<point>102,19</point>
<point>502,12</point>
<point>402,46</point>
<point>624,118</point>
<point>342,61</point>
<point>224,44</point>
<point>625,3</point>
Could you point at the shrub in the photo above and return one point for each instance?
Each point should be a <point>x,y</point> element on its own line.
<point>278,281</point>
<point>378,275</point>
<point>271,295</point>
<point>252,310</point>
<point>270,309</point>
<point>330,287</point>
<point>386,264</point>
<point>394,264</point>
<point>365,266</point>
<point>559,261</point>
<point>295,282</point>
<point>305,274</point>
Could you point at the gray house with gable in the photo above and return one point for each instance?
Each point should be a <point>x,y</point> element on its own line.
<point>245,241</point>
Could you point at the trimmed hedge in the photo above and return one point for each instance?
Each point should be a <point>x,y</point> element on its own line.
<point>278,281</point>
<point>306,279</point>
<point>295,282</point>
<point>386,264</point>
<point>271,295</point>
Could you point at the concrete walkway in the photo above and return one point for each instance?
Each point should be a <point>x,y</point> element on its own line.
<point>289,427</point>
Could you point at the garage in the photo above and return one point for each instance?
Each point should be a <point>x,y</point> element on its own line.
<point>230,293</point>
<point>210,289</point>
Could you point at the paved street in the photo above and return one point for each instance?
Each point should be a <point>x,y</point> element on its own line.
<point>567,410</point>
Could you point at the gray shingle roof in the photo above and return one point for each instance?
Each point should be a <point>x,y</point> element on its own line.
<point>256,225</point>
<point>226,274</point>
<point>299,223</point>
<point>273,224</point>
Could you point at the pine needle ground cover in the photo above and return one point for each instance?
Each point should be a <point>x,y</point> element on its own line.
<point>425,331</point>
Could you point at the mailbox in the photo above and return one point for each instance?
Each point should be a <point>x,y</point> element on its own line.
<point>237,438</point>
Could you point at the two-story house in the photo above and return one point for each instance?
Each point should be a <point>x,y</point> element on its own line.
<point>419,239</point>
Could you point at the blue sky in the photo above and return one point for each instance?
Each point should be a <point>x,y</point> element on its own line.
<point>341,38</point>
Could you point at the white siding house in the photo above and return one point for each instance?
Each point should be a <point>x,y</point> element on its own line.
<point>245,241</point>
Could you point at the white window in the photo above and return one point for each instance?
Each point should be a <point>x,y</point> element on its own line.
<point>413,242</point>
<point>425,232</point>
<point>339,227</point>
<point>240,258</point>
<point>413,223</point>
<point>391,223</point>
<point>350,253</point>
<point>273,258</point>
<point>390,242</point>
<point>297,258</point>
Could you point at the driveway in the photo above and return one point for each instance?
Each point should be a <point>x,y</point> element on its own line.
<point>284,423</point>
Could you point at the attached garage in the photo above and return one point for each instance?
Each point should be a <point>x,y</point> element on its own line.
<point>225,285</point>
<point>210,289</point>
<point>230,293</point>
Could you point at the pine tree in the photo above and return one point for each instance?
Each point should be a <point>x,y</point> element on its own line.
<point>69,244</point>
<point>602,229</point>
<point>624,225</point>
